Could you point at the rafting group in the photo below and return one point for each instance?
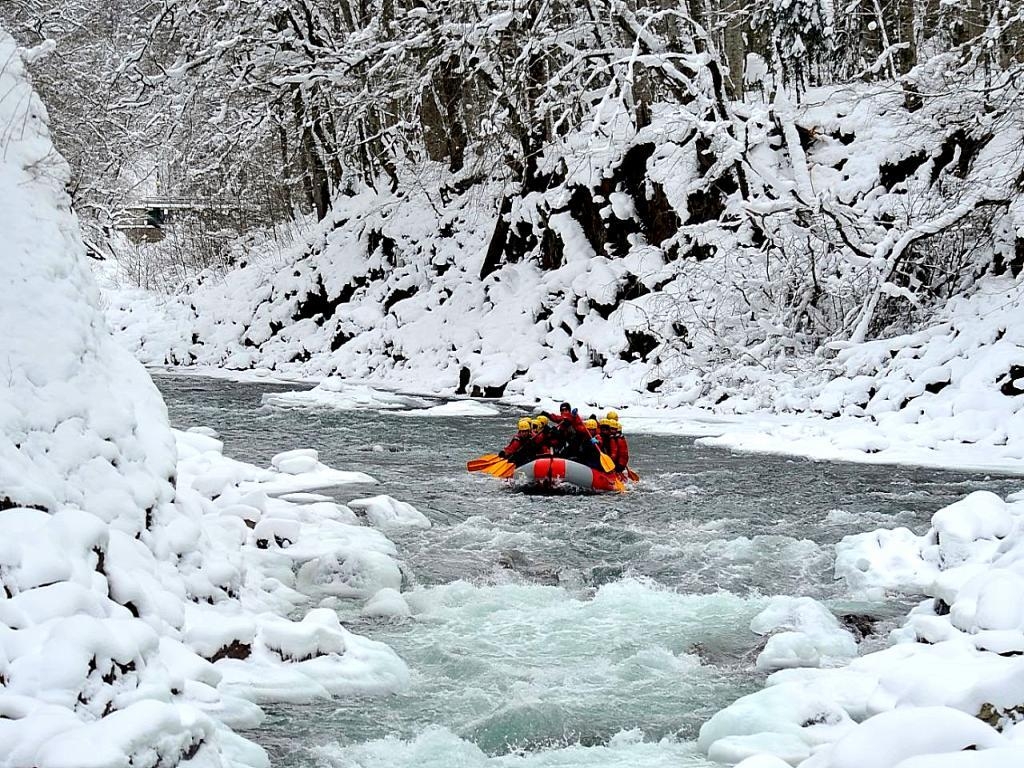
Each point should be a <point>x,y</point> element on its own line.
<point>553,449</point>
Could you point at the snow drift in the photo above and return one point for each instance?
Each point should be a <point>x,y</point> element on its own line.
<point>145,575</point>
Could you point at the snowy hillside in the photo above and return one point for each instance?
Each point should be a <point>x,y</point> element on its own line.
<point>146,577</point>
<point>855,255</point>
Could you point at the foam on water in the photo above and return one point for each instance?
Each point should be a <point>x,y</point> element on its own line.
<point>522,666</point>
<point>440,748</point>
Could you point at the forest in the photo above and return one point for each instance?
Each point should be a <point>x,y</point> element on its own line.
<point>828,174</point>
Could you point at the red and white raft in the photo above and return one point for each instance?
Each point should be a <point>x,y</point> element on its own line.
<point>552,473</point>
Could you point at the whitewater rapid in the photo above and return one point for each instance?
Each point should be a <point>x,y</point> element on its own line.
<point>581,630</point>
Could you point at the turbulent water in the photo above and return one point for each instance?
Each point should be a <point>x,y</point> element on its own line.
<point>565,631</point>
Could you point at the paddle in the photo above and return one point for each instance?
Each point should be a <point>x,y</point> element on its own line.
<point>501,468</point>
<point>606,461</point>
<point>482,462</point>
<point>632,475</point>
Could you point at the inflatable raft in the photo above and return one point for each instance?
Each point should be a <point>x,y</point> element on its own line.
<point>549,473</point>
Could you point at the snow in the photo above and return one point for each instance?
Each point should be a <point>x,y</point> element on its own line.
<point>676,334</point>
<point>812,636</point>
<point>296,462</point>
<point>952,679</point>
<point>155,591</point>
<point>386,512</point>
<point>387,603</point>
<point>335,393</point>
<point>455,408</point>
<point>231,548</point>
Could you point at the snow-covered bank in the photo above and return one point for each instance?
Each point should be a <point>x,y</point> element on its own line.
<point>949,693</point>
<point>149,582</point>
<point>641,276</point>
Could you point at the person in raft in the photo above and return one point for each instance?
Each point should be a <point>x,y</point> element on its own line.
<point>576,442</point>
<point>615,444</point>
<point>544,437</point>
<point>522,449</point>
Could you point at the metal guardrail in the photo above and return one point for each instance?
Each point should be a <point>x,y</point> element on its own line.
<point>186,203</point>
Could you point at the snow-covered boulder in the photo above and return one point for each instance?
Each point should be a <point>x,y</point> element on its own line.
<point>296,462</point>
<point>387,512</point>
<point>811,635</point>
<point>387,603</point>
<point>888,739</point>
<point>871,563</point>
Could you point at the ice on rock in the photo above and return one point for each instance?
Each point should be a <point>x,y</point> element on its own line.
<point>352,574</point>
<point>784,720</point>
<point>296,462</point>
<point>386,512</point>
<point>310,659</point>
<point>387,603</point>
<point>788,649</point>
<point>813,638</point>
<point>980,515</point>
<point>318,634</point>
<point>888,739</point>
<point>881,560</point>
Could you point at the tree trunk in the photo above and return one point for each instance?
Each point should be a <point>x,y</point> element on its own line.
<point>904,32</point>
<point>734,15</point>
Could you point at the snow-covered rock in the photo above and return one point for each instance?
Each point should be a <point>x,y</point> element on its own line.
<point>387,512</point>
<point>296,462</point>
<point>953,680</point>
<point>141,618</point>
<point>387,603</point>
<point>812,636</point>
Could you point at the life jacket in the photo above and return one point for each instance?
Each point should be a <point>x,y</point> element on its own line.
<point>521,449</point>
<point>576,442</point>
<point>546,441</point>
<point>618,450</point>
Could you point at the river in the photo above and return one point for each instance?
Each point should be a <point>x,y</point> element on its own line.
<point>568,630</point>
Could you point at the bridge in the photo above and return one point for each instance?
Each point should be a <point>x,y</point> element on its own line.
<point>146,219</point>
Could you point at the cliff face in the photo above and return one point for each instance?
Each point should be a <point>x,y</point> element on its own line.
<point>709,258</point>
